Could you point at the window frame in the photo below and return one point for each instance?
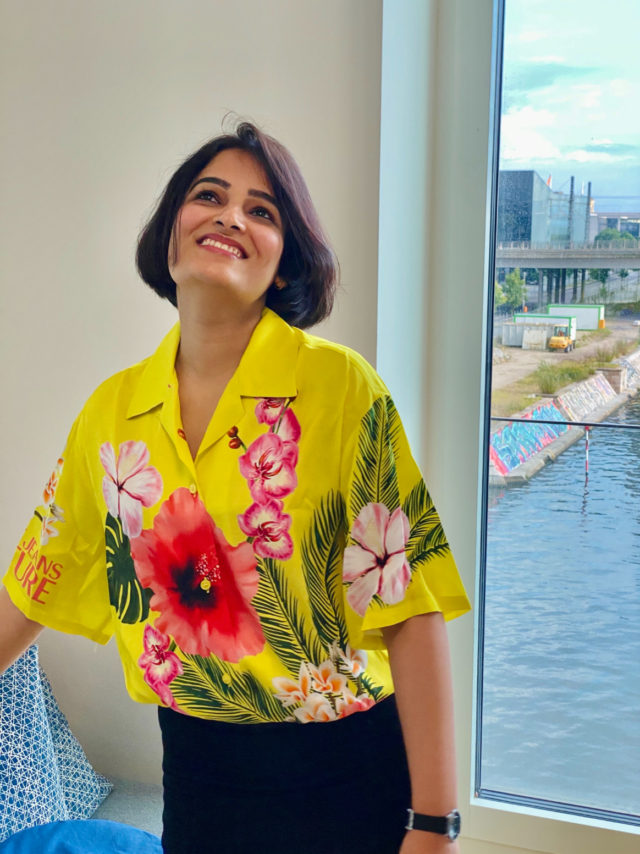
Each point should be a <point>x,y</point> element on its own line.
<point>463,147</point>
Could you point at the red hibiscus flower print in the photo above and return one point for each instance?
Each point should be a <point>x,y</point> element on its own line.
<point>129,484</point>
<point>269,467</point>
<point>377,563</point>
<point>269,409</point>
<point>202,586</point>
<point>160,664</point>
<point>268,526</point>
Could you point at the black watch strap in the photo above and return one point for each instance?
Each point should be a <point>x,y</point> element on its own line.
<point>445,825</point>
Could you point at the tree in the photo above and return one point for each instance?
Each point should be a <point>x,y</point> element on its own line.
<point>600,275</point>
<point>514,290</point>
<point>498,296</point>
<point>607,235</point>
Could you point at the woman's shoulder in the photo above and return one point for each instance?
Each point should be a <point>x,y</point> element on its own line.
<point>116,392</point>
<point>338,363</point>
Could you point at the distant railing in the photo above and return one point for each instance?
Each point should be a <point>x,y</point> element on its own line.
<point>599,246</point>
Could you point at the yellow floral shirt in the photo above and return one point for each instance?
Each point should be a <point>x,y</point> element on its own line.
<point>251,584</point>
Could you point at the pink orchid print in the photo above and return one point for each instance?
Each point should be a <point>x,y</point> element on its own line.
<point>268,527</point>
<point>269,409</point>
<point>160,664</point>
<point>377,564</point>
<point>129,484</point>
<point>269,467</point>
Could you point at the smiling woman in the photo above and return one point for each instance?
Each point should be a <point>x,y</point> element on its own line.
<point>307,264</point>
<point>260,541</point>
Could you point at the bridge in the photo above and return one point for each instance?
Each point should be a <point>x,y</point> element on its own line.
<point>615,254</point>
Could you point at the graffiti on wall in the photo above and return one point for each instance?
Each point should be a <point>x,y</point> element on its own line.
<point>585,397</point>
<point>517,442</point>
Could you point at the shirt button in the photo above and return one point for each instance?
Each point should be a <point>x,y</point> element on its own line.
<point>226,679</point>
<point>181,433</point>
<point>193,489</point>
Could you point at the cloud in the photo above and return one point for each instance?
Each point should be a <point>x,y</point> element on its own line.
<point>618,150</point>
<point>528,36</point>
<point>521,137</point>
<point>551,75</point>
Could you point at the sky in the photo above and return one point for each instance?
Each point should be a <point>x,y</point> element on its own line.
<point>571,96</point>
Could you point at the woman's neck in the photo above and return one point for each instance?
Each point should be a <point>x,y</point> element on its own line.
<point>213,338</point>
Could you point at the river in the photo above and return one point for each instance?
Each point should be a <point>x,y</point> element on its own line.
<point>561,705</point>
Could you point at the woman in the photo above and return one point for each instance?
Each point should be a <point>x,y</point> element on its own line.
<point>242,510</point>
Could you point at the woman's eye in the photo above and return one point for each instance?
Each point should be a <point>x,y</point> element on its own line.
<point>263,212</point>
<point>207,195</point>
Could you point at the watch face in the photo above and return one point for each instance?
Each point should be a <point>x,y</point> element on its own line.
<point>453,825</point>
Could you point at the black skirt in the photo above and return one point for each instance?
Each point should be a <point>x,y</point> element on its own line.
<point>320,788</point>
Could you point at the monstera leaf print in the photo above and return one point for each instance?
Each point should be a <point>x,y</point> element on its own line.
<point>209,687</point>
<point>427,538</point>
<point>129,598</point>
<point>375,478</point>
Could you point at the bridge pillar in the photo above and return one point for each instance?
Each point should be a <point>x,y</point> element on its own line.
<point>540,289</point>
<point>583,275</point>
<point>563,286</point>
<point>549,286</point>
<point>574,295</point>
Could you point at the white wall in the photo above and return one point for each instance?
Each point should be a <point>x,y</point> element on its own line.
<point>100,102</point>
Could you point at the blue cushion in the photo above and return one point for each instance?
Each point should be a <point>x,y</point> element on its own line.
<point>44,773</point>
<point>82,837</point>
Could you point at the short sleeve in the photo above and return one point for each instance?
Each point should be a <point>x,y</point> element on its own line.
<point>57,576</point>
<point>397,561</point>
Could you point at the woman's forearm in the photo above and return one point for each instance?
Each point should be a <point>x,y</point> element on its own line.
<point>17,632</point>
<point>420,666</point>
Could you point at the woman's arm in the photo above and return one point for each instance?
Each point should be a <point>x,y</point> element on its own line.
<point>17,632</point>
<point>419,656</point>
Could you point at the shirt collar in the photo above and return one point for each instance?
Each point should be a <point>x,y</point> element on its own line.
<point>267,367</point>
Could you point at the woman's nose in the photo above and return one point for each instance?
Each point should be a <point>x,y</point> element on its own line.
<point>231,216</point>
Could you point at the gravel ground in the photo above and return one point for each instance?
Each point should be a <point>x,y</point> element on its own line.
<point>523,362</point>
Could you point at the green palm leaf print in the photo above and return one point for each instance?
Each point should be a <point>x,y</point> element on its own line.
<point>283,626</point>
<point>427,538</point>
<point>209,685</point>
<point>322,550</point>
<point>129,598</point>
<point>375,477</point>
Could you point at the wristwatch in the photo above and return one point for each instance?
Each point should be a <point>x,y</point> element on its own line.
<point>445,825</point>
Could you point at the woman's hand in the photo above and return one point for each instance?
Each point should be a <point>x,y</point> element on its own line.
<point>419,842</point>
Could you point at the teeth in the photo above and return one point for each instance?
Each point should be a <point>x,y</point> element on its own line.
<point>234,251</point>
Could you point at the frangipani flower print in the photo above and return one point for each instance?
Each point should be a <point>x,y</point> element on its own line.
<point>49,521</point>
<point>289,692</point>
<point>160,664</point>
<point>202,586</point>
<point>315,709</point>
<point>129,484</point>
<point>321,693</point>
<point>351,661</point>
<point>377,564</point>
<point>49,491</point>
<point>269,467</point>
<point>267,525</point>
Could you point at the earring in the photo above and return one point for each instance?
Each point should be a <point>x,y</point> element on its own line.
<point>280,283</point>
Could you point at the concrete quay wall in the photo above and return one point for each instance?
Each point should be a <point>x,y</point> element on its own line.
<point>519,450</point>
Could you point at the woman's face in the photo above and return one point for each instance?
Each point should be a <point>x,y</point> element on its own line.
<point>229,232</point>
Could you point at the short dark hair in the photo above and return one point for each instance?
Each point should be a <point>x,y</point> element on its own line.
<point>308,264</point>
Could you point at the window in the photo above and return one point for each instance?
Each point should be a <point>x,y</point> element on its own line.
<point>558,697</point>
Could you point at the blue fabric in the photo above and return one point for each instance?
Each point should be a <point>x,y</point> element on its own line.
<point>82,837</point>
<point>44,773</point>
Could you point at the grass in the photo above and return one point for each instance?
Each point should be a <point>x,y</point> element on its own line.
<point>549,378</point>
<point>591,335</point>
